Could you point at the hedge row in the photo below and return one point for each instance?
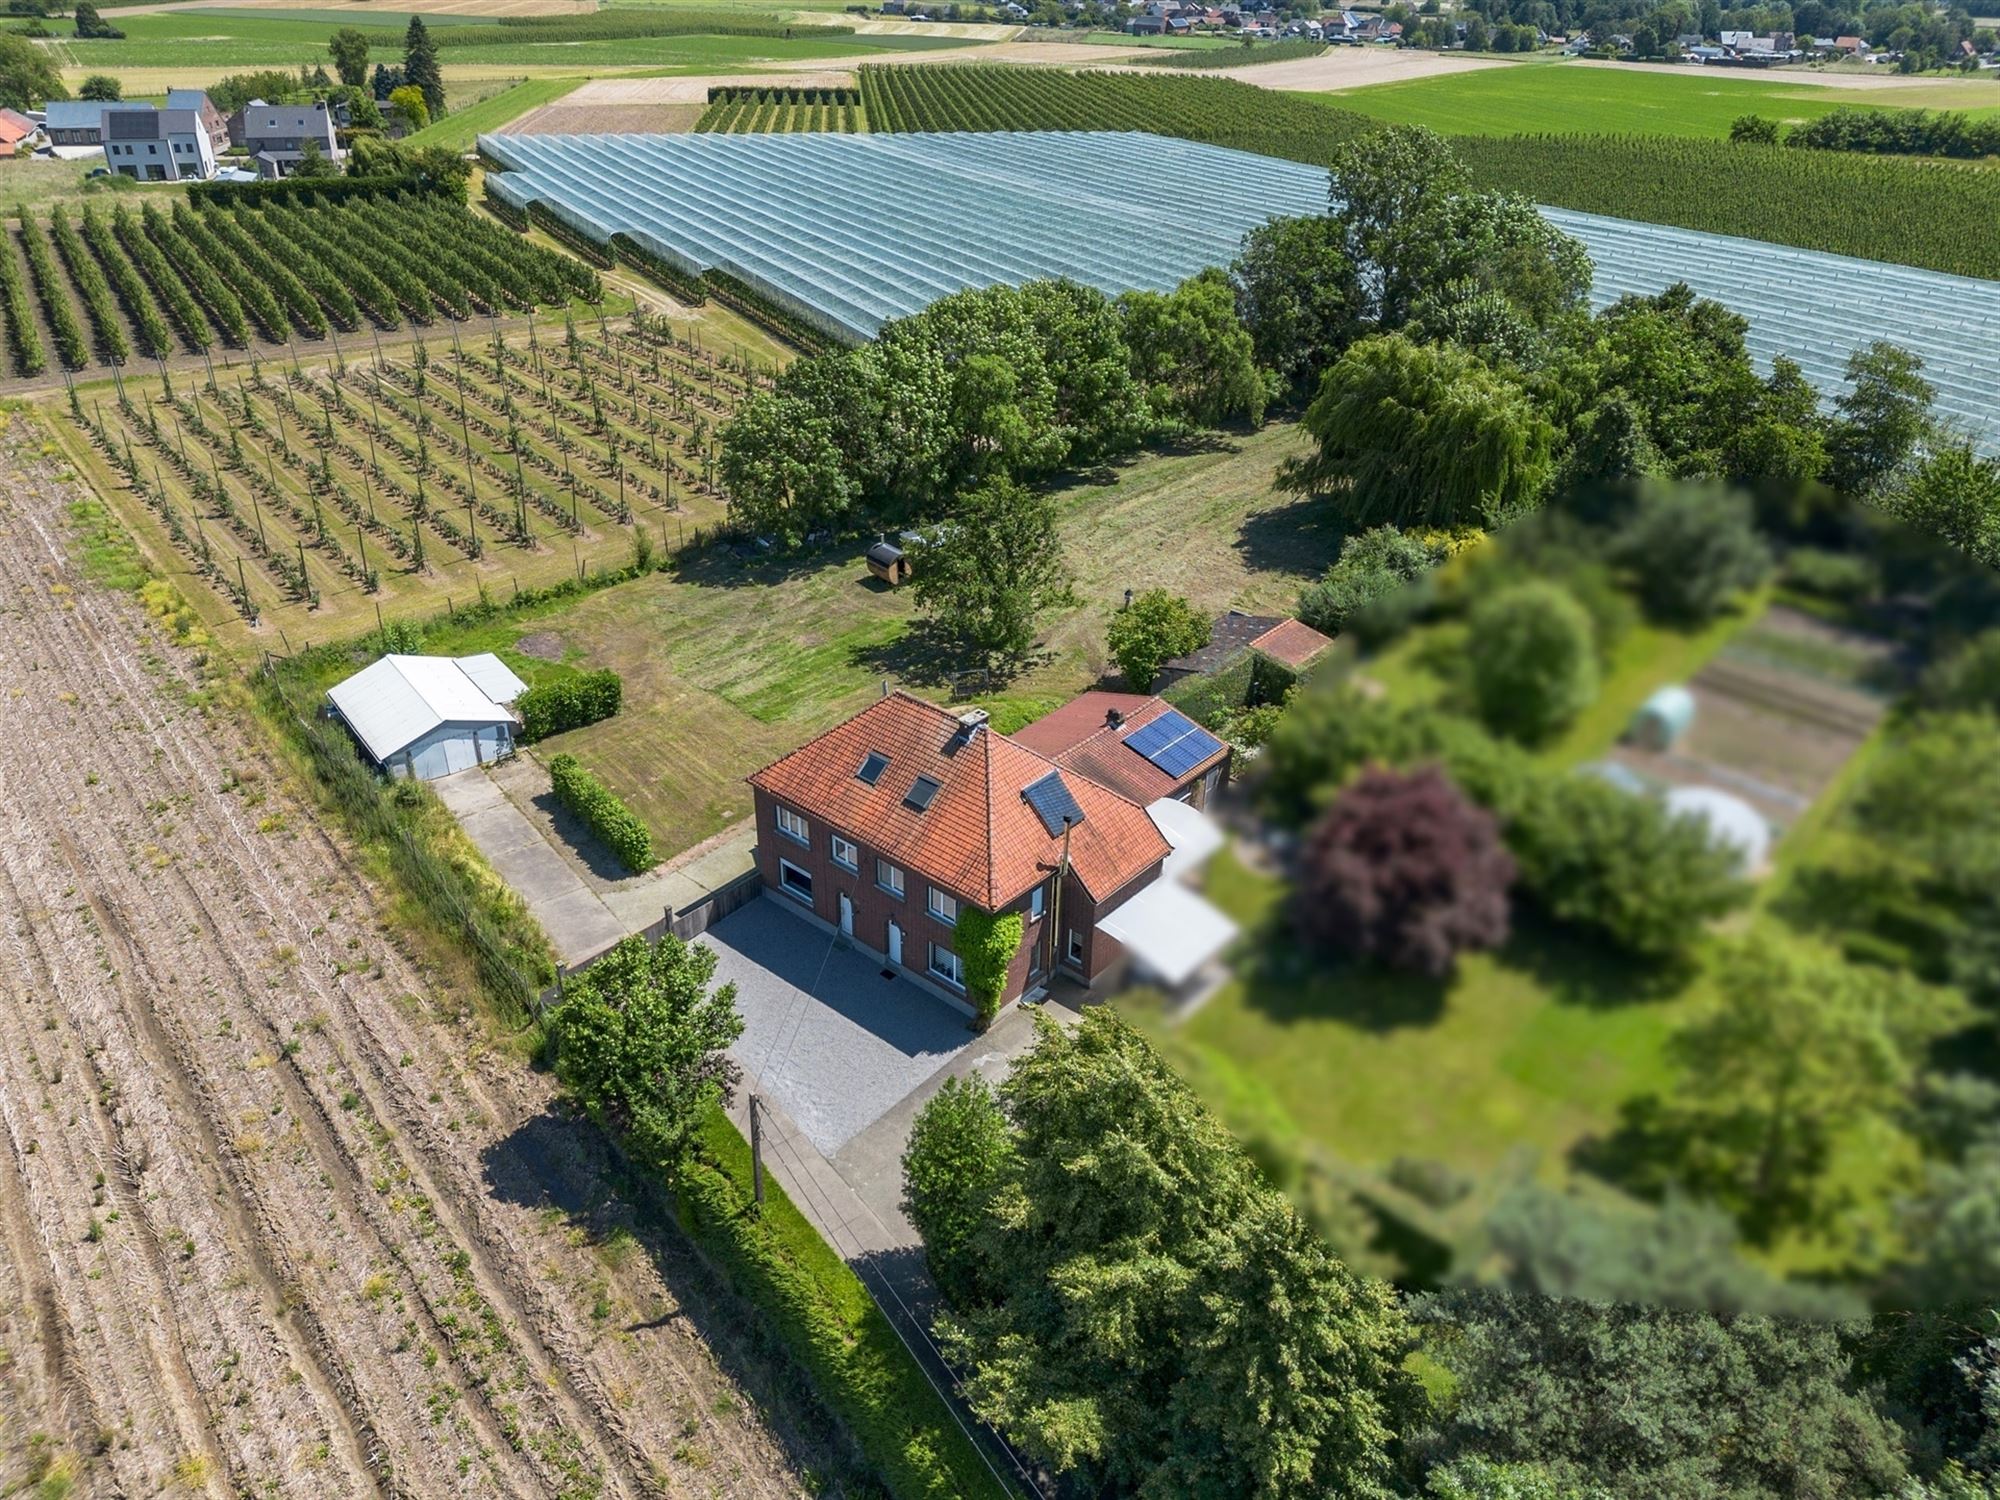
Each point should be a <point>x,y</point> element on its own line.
<point>829,1324</point>
<point>611,820</point>
<point>314,189</point>
<point>553,707</point>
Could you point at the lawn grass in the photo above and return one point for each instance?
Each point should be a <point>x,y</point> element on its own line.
<point>41,184</point>
<point>458,130</point>
<point>1570,98</point>
<point>728,665</point>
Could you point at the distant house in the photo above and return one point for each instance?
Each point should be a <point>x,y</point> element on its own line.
<point>212,119</point>
<point>1146,26</point>
<point>1127,741</point>
<point>17,133</point>
<point>275,135</point>
<point>428,716</point>
<point>74,123</point>
<point>157,145</point>
<point>1288,644</point>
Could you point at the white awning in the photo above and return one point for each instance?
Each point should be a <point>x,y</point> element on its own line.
<point>1193,833</point>
<point>1169,931</point>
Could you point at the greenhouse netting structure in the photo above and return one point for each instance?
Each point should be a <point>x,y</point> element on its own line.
<point>849,231</point>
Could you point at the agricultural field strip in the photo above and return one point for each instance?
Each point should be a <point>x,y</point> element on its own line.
<point>209,977</point>
<point>302,477</point>
<point>867,227</point>
<point>852,231</point>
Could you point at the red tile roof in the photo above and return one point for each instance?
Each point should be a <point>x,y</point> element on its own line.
<point>978,839</point>
<point>1291,643</point>
<point>1077,738</point>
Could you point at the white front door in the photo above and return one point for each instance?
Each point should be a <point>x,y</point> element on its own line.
<point>846,916</point>
<point>895,943</point>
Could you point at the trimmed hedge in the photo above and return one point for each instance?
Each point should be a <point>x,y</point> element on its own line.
<point>611,820</point>
<point>826,1320</point>
<point>554,707</point>
<point>313,189</point>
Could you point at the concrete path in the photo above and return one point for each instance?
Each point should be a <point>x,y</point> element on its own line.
<point>574,916</point>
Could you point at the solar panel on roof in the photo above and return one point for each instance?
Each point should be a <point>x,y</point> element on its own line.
<point>1053,802</point>
<point>1174,743</point>
<point>921,791</point>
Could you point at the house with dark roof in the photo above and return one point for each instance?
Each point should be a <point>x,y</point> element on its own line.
<point>213,121</point>
<point>74,122</point>
<point>1140,746</point>
<point>888,826</point>
<point>1289,644</point>
<point>157,145</point>
<point>275,135</point>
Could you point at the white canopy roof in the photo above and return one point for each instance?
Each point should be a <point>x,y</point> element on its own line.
<point>400,699</point>
<point>1169,931</point>
<point>1193,833</point>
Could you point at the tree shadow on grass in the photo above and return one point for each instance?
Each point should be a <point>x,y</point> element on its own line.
<point>1576,969</point>
<point>1302,536</point>
<point>926,654</point>
<point>1291,982</point>
<point>562,1166</point>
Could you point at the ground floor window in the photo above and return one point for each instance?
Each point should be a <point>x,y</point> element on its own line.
<point>947,965</point>
<point>796,882</point>
<point>1075,947</point>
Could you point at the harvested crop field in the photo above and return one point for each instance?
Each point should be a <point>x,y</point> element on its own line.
<point>276,1213</point>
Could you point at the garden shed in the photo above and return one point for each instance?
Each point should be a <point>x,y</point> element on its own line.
<point>1662,719</point>
<point>889,563</point>
<point>428,716</point>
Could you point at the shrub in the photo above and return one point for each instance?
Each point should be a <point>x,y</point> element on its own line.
<point>1846,577</point>
<point>959,1151</point>
<point>607,817</point>
<point>1157,626</point>
<point>1692,548</point>
<point>1405,870</point>
<point>1968,678</point>
<point>1619,865</point>
<point>1533,657</point>
<point>1373,569</point>
<point>987,944</point>
<point>569,703</point>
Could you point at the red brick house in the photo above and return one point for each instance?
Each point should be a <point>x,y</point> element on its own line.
<point>1106,736</point>
<point>886,826</point>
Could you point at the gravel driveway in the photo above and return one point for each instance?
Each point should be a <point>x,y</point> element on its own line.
<point>835,1044</point>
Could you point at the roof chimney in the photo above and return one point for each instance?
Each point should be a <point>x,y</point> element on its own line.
<point>1113,718</point>
<point>971,721</point>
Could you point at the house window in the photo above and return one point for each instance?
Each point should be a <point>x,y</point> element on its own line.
<point>889,878</point>
<point>873,767</point>
<point>944,907</point>
<point>1035,902</point>
<point>921,791</point>
<point>947,965</point>
<point>796,882</point>
<point>792,826</point>
<point>845,854</point>
<point>1076,947</point>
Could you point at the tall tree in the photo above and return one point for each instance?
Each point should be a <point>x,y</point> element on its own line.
<point>1412,434</point>
<point>1532,653</point>
<point>1166,1325</point>
<point>1298,295</point>
<point>1155,627</point>
<point>349,47</point>
<point>101,87</point>
<point>1954,495</point>
<point>1192,354</point>
<point>420,66</point>
<point>989,572</point>
<point>1881,420</point>
<point>28,76</point>
<point>639,1042</point>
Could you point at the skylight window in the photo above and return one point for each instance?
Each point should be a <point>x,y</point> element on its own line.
<point>922,790</point>
<point>872,768</point>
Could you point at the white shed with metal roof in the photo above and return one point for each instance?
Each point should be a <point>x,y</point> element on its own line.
<point>428,716</point>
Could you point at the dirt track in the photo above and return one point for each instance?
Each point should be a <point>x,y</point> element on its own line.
<point>274,1217</point>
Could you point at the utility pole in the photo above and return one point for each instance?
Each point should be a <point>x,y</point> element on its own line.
<point>757,1155</point>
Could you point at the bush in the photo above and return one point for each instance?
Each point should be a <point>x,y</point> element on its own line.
<point>1533,657</point>
<point>987,944</point>
<point>1156,627</point>
<point>1373,568</point>
<point>1617,864</point>
<point>959,1151</point>
<point>1692,548</point>
<point>1845,577</point>
<point>611,820</point>
<point>1969,678</point>
<point>1405,870</point>
<point>569,703</point>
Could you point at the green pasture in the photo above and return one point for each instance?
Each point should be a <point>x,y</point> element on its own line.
<point>1577,98</point>
<point>459,129</point>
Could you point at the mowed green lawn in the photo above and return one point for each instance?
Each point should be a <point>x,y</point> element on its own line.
<point>1563,97</point>
<point>458,130</point>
